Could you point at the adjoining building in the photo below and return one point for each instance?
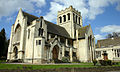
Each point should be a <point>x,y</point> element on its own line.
<point>36,40</point>
<point>110,46</point>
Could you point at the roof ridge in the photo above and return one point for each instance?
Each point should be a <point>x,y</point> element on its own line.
<point>109,41</point>
<point>56,29</point>
<point>30,14</point>
<point>108,38</point>
<point>54,24</point>
<point>85,26</point>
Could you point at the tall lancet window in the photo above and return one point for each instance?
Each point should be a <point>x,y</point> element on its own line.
<point>60,19</point>
<point>28,33</point>
<point>79,20</point>
<point>41,24</point>
<point>73,17</point>
<point>40,32</point>
<point>76,18</point>
<point>64,16</point>
<point>68,16</point>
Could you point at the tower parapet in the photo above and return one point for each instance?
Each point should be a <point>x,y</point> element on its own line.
<point>69,9</point>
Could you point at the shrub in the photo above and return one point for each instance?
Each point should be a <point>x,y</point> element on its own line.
<point>51,61</point>
<point>115,63</point>
<point>65,59</point>
<point>94,62</point>
<point>75,60</point>
<point>105,62</point>
<point>57,61</point>
<point>109,62</point>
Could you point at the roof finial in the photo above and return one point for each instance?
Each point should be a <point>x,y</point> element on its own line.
<point>21,9</point>
<point>71,6</point>
<point>41,17</point>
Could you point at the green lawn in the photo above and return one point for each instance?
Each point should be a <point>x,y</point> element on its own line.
<point>19,66</point>
<point>2,61</point>
<point>54,66</point>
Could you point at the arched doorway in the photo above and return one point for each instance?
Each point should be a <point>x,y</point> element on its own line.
<point>55,52</point>
<point>105,56</point>
<point>15,53</point>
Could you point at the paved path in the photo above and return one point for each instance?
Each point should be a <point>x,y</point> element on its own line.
<point>50,64</point>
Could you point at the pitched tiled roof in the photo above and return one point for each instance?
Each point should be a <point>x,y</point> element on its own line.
<point>56,29</point>
<point>108,42</point>
<point>29,16</point>
<point>52,28</point>
<point>82,31</point>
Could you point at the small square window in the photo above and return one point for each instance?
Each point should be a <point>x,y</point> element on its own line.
<point>38,42</point>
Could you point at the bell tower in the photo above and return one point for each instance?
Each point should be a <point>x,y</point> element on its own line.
<point>70,19</point>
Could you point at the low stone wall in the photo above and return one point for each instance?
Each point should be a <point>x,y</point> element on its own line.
<point>93,69</point>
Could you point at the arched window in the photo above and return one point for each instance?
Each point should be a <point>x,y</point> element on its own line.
<point>68,16</point>
<point>64,16</point>
<point>18,33</point>
<point>60,18</point>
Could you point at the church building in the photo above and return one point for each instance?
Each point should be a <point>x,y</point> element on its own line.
<point>36,40</point>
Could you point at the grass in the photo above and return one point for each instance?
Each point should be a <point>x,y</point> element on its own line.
<point>22,66</point>
<point>10,66</point>
<point>117,64</point>
<point>54,66</point>
<point>2,61</point>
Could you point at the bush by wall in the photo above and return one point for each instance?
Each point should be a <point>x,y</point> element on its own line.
<point>105,62</point>
<point>65,59</point>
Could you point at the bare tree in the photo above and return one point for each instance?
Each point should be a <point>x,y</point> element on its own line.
<point>109,36</point>
<point>114,34</point>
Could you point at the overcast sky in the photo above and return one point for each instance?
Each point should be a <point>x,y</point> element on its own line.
<point>103,15</point>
